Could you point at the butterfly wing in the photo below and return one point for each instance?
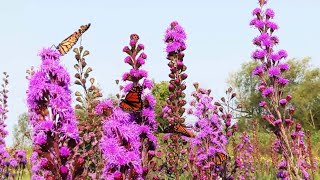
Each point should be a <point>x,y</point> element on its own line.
<point>65,46</point>
<point>183,130</point>
<point>219,158</point>
<point>132,101</point>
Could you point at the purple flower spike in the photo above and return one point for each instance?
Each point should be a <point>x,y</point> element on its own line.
<point>49,88</point>
<point>276,109</point>
<point>210,139</point>
<point>128,133</point>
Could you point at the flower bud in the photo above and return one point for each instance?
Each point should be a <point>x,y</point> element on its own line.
<point>183,87</point>
<point>298,127</point>
<point>183,76</point>
<point>133,42</point>
<point>288,98</point>
<point>140,47</point>
<point>173,70</point>
<point>184,68</point>
<point>118,176</point>
<point>180,55</point>
<point>283,102</point>
<point>180,65</point>
<point>170,64</point>
<point>80,161</point>
<point>64,170</point>
<point>127,50</point>
<point>181,111</point>
<point>177,81</point>
<point>228,123</point>
<point>77,75</point>
<point>171,87</point>
<point>172,76</point>
<point>291,110</point>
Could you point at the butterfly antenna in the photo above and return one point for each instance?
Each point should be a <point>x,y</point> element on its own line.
<point>54,46</point>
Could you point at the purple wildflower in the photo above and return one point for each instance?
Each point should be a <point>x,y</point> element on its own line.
<point>64,151</point>
<point>273,26</point>
<point>274,71</point>
<point>283,53</point>
<point>283,81</point>
<point>275,57</point>
<point>256,11</point>
<point>284,67</point>
<point>268,91</point>
<point>147,84</point>
<point>258,71</point>
<point>102,106</point>
<point>262,104</point>
<point>258,54</point>
<point>269,13</point>
<point>283,102</point>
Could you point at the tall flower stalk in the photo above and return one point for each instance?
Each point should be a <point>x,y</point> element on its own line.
<point>12,161</point>
<point>173,111</point>
<point>244,157</point>
<point>90,125</point>
<point>4,154</point>
<point>128,142</point>
<point>55,133</point>
<point>226,109</point>
<point>209,140</point>
<point>277,110</point>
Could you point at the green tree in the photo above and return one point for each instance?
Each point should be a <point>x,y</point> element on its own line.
<point>303,86</point>
<point>161,92</point>
<point>22,132</point>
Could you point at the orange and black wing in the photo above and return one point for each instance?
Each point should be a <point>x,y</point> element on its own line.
<point>132,101</point>
<point>183,130</point>
<point>65,46</point>
<point>219,158</point>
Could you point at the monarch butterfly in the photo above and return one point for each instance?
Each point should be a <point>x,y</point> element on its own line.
<point>183,130</point>
<point>132,101</point>
<point>65,46</point>
<point>219,158</point>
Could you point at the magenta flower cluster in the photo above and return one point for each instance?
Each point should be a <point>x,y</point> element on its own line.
<point>128,136</point>
<point>209,139</point>
<point>120,144</point>
<point>55,131</point>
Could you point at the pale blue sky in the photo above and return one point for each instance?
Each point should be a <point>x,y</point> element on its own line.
<point>219,37</point>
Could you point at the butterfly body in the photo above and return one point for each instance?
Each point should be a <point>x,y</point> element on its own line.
<point>219,158</point>
<point>179,128</point>
<point>65,46</point>
<point>132,101</point>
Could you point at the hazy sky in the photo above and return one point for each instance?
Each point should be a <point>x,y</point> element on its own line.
<point>219,37</point>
